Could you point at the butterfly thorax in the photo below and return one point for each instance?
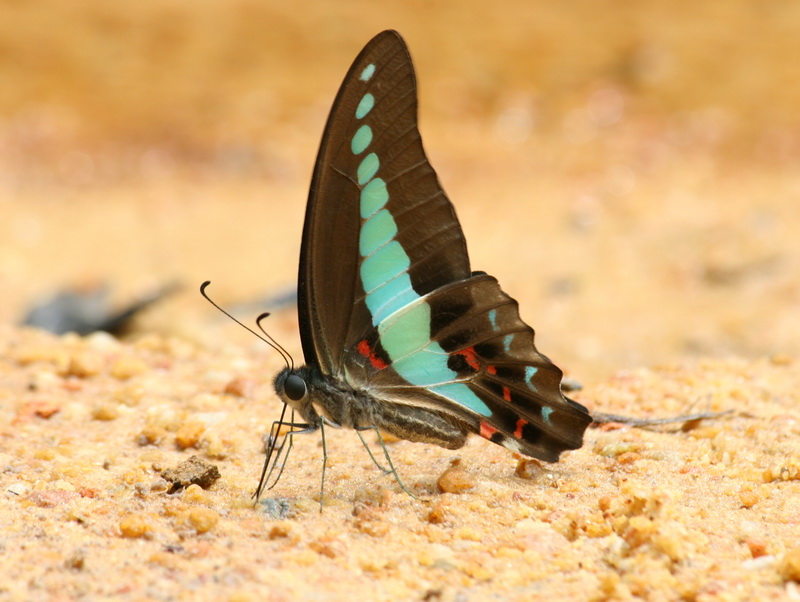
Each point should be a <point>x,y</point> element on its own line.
<point>315,395</point>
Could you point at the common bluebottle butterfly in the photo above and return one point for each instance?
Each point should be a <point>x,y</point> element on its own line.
<point>399,334</point>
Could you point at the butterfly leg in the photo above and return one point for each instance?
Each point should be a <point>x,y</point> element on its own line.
<point>369,451</point>
<point>391,470</point>
<point>275,450</point>
<point>304,429</point>
<point>323,421</point>
<point>324,464</point>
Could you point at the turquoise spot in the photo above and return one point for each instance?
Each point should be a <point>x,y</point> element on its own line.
<point>493,319</point>
<point>376,232</point>
<point>361,140</point>
<point>530,372</point>
<point>365,106</point>
<point>546,411</point>
<point>367,73</point>
<point>406,332</point>
<point>384,264</point>
<point>424,366</point>
<point>390,297</point>
<point>463,395</point>
<point>368,168</point>
<point>373,197</point>
<point>507,342</point>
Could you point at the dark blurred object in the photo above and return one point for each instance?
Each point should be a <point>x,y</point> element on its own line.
<point>282,299</point>
<point>571,384</point>
<point>278,300</point>
<point>85,310</point>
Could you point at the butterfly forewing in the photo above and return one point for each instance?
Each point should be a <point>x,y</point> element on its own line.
<point>372,169</point>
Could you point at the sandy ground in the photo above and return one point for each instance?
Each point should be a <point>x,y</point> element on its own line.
<point>90,424</point>
<point>619,172</point>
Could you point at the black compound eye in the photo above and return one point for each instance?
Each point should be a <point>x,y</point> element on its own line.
<point>295,387</point>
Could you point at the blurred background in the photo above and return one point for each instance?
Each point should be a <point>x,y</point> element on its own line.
<point>628,171</point>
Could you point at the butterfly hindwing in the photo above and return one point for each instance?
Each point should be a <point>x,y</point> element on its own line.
<point>374,200</point>
<point>476,362</point>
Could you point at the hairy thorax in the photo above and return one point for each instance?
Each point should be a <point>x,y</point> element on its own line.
<point>339,403</point>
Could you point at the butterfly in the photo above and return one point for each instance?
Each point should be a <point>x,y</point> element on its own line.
<point>399,334</point>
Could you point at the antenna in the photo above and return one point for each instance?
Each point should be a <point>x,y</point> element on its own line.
<point>271,340</point>
<point>287,358</point>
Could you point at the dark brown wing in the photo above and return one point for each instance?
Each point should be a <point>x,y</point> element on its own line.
<point>331,299</point>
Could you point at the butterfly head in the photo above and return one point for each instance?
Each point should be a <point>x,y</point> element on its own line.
<point>295,387</point>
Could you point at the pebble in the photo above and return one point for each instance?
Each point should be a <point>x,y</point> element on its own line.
<point>327,547</point>
<point>438,514</point>
<point>456,480</point>
<point>757,546</point>
<point>194,494</point>
<point>76,560</point>
<point>50,498</point>
<point>529,469</point>
<point>628,458</point>
<point>189,435</point>
<point>789,566</point>
<point>102,341</point>
<point>781,360</point>
<point>274,507</point>
<point>194,471</point>
<point>18,488</point>
<point>84,364</point>
<point>43,380</point>
<point>280,530</point>
<point>135,525</point>
<point>151,435</point>
<point>106,412</point>
<point>240,387</point>
<point>40,409</point>
<point>203,519</point>
<point>128,367</point>
<point>748,498</point>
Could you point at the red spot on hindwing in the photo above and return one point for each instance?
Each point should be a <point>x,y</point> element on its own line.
<point>520,425</point>
<point>471,357</point>
<point>506,393</point>
<point>486,430</point>
<point>491,370</point>
<point>367,351</point>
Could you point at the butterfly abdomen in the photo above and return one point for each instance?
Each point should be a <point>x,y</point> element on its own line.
<point>423,425</point>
